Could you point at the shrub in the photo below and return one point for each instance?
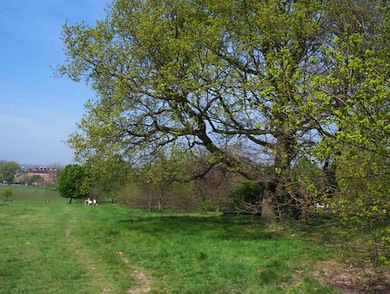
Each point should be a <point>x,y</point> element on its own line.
<point>247,197</point>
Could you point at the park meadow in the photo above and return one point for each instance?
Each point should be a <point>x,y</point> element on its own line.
<point>50,246</point>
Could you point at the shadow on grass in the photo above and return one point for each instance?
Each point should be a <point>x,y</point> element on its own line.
<point>223,227</point>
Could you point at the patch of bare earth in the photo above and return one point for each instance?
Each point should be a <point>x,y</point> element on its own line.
<point>352,279</point>
<point>143,281</point>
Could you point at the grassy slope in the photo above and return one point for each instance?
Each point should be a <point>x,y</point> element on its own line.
<point>62,248</point>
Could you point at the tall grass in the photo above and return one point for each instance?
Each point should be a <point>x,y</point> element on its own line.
<point>71,248</point>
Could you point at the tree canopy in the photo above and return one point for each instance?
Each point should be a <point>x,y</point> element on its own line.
<point>8,170</point>
<point>73,182</point>
<point>284,79</point>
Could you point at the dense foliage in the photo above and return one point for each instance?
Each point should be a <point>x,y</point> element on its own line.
<point>247,197</point>
<point>73,182</point>
<point>8,170</point>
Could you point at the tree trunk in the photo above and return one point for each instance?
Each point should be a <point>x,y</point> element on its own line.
<point>70,200</point>
<point>286,150</point>
<point>161,202</point>
<point>329,169</point>
<point>268,212</point>
<point>150,202</point>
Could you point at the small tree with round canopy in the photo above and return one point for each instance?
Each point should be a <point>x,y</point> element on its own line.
<point>73,182</point>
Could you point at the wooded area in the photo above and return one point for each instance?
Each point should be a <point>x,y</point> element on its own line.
<point>292,96</point>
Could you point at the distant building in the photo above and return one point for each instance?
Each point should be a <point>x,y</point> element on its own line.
<point>49,175</point>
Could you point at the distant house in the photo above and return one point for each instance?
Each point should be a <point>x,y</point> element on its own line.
<point>49,175</point>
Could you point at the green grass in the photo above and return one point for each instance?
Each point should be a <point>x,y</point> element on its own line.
<point>71,248</point>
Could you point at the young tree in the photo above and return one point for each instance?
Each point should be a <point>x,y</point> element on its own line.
<point>158,176</point>
<point>7,193</point>
<point>73,182</point>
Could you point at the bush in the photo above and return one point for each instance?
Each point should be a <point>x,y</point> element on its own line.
<point>247,196</point>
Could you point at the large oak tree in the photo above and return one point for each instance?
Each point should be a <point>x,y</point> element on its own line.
<point>259,74</point>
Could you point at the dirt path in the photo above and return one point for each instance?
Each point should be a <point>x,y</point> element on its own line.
<point>95,276</point>
<point>143,282</point>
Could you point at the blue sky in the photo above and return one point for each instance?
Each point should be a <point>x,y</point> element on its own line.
<point>37,111</point>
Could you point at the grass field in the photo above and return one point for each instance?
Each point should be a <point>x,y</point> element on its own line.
<point>72,248</point>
